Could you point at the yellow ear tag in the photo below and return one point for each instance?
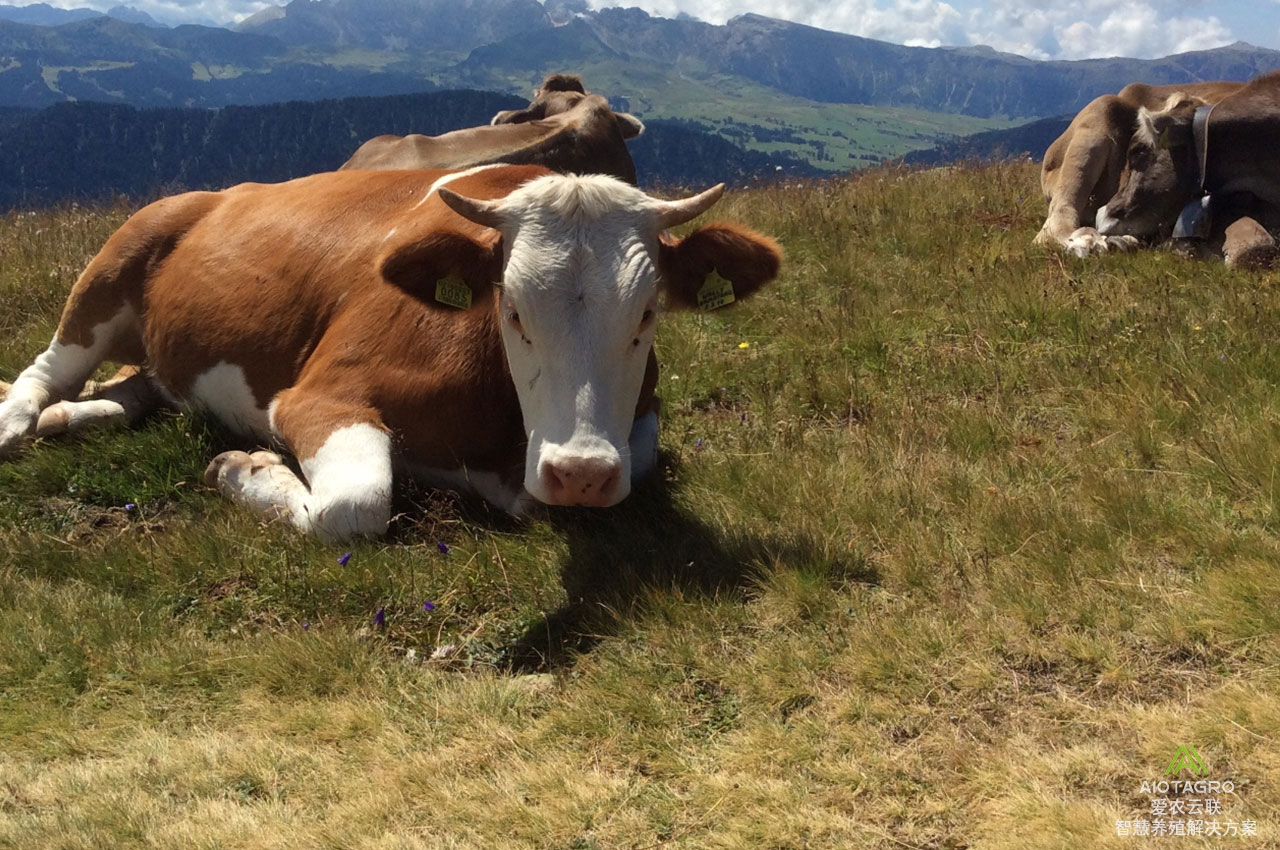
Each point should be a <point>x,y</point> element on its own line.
<point>715,293</point>
<point>454,292</point>
<point>1163,140</point>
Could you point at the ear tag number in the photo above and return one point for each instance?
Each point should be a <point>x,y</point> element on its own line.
<point>454,292</point>
<point>715,293</point>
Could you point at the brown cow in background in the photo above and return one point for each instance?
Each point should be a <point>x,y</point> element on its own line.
<point>1082,167</point>
<point>565,128</point>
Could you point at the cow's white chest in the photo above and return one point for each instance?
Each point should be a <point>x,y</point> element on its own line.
<point>223,393</point>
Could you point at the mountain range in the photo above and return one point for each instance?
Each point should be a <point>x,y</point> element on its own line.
<point>839,101</point>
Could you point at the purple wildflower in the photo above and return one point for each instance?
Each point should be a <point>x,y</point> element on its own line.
<point>380,618</point>
<point>442,547</point>
<point>130,506</point>
<point>697,444</point>
<point>342,562</point>
<point>428,606</point>
<point>306,627</point>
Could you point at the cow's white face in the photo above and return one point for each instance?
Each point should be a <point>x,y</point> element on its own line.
<point>578,310</point>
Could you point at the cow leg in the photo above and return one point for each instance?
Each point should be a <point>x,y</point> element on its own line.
<point>1084,175</point>
<point>345,455</point>
<point>1083,166</point>
<point>125,399</point>
<point>60,371</point>
<point>1248,245</point>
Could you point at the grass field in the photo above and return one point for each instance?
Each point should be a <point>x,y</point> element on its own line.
<point>957,552</point>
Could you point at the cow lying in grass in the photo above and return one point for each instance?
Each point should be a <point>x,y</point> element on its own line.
<point>489,329</point>
<point>564,128</point>
<point>1190,149</point>
<point>1082,167</point>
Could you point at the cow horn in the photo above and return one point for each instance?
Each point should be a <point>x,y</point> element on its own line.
<point>672,213</point>
<point>481,212</point>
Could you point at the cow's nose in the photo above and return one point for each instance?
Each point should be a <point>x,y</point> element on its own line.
<point>589,481</point>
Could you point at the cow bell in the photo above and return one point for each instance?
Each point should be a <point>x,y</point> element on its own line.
<point>1194,220</point>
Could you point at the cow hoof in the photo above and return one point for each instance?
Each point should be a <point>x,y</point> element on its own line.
<point>225,465</point>
<point>16,425</point>
<point>229,470</point>
<point>1121,243</point>
<point>54,419</point>
<point>1085,242</point>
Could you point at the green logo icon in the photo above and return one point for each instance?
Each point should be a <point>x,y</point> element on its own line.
<point>1186,758</point>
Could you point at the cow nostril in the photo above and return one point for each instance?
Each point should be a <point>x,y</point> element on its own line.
<point>583,481</point>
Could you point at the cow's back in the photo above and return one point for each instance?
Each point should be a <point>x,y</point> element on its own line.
<point>1244,142</point>
<point>283,283</point>
<point>584,139</point>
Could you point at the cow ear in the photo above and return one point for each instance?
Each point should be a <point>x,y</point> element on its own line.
<point>445,270</point>
<point>716,265</point>
<point>629,125</point>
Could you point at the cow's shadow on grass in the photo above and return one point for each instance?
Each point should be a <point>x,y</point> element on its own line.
<point>648,546</point>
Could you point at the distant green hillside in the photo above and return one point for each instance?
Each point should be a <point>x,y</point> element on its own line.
<point>830,136</point>
<point>1031,139</point>
<point>95,150</point>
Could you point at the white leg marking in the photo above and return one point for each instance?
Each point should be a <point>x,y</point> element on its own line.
<point>643,443</point>
<point>72,416</point>
<point>224,393</point>
<point>58,372</point>
<point>350,479</point>
<point>119,401</point>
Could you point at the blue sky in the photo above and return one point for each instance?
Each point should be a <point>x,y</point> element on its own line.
<point>1040,29</point>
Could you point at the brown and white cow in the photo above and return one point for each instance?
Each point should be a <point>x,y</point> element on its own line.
<point>1082,167</point>
<point>489,329</point>
<point>1235,153</point>
<point>565,129</point>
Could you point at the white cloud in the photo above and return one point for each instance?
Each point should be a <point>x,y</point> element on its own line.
<point>1040,29</point>
<point>172,11</point>
<point>1080,29</point>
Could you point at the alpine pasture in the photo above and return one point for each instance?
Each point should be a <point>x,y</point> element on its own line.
<point>956,542</point>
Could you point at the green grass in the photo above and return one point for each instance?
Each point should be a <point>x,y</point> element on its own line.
<point>975,536</point>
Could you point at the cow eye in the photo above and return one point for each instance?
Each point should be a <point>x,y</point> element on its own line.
<point>514,318</point>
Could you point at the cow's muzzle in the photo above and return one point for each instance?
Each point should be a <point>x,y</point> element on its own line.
<point>595,479</point>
